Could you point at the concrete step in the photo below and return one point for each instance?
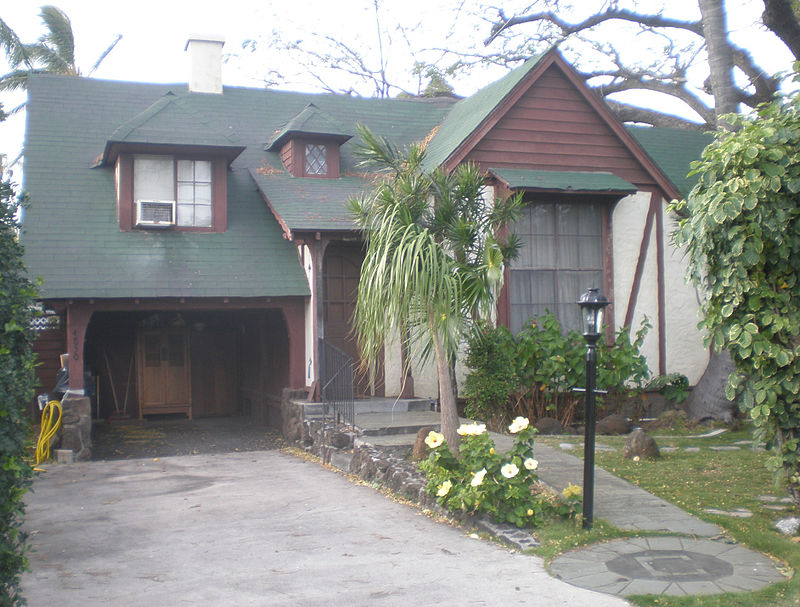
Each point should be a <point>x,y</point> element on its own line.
<point>377,405</point>
<point>394,423</point>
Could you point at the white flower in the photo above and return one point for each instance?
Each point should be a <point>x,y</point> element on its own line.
<point>518,425</point>
<point>434,439</point>
<point>473,429</point>
<point>477,477</point>
<point>509,470</point>
<point>531,464</point>
<point>444,488</point>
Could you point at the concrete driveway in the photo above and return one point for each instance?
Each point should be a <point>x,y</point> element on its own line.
<point>258,528</point>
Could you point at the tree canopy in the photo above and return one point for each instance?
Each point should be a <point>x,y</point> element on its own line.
<point>741,232</point>
<point>687,55</point>
<point>16,389</point>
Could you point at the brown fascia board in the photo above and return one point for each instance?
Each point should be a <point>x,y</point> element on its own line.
<point>114,148</point>
<point>553,57</point>
<point>287,232</point>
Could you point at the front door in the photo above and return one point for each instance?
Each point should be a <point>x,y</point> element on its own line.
<point>163,372</point>
<point>341,271</point>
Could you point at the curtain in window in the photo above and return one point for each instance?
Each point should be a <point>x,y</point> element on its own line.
<point>561,257</point>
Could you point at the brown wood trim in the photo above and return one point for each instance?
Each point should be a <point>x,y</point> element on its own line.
<point>175,303</point>
<point>294,317</point>
<point>608,268</point>
<point>287,232</point>
<point>662,304</point>
<point>219,195</point>
<point>639,271</point>
<point>124,178</point>
<point>78,316</point>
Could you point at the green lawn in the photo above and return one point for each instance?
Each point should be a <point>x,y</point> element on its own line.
<point>696,481</point>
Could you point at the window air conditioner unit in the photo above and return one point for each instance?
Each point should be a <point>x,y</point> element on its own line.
<point>155,213</point>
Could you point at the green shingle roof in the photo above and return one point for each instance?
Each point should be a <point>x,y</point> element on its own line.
<point>468,114</point>
<point>573,181</point>
<point>70,229</point>
<point>311,121</point>
<point>309,204</point>
<point>673,150</point>
<point>71,232</point>
<point>171,120</point>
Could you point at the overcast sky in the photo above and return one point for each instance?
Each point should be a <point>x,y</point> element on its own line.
<point>155,32</point>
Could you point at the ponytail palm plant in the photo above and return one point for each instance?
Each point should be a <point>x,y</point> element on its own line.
<point>434,259</point>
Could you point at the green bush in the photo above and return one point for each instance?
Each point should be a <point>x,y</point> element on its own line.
<point>492,356</point>
<point>504,486</point>
<point>533,375</point>
<point>16,390</point>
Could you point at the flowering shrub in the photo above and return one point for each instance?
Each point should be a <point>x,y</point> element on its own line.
<point>482,480</point>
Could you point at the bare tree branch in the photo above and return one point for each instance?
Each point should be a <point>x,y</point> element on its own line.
<point>630,113</point>
<point>611,14</point>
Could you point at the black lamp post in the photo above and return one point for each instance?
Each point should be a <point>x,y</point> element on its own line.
<point>592,305</point>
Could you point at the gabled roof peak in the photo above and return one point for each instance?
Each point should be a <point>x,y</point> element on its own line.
<point>171,121</point>
<point>310,121</point>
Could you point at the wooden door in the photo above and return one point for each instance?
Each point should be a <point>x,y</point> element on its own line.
<point>341,271</point>
<point>163,372</point>
<point>215,356</point>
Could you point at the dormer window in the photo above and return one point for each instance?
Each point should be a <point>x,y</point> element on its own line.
<point>194,193</point>
<point>190,188</point>
<point>154,178</point>
<point>316,159</point>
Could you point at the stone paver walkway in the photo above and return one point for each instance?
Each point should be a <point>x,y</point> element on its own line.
<point>706,563</point>
<point>666,565</point>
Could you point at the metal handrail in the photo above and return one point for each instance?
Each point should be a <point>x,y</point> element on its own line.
<point>336,383</point>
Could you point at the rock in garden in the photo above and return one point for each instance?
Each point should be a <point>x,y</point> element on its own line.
<point>788,526</point>
<point>340,440</point>
<point>421,450</point>
<point>640,444</point>
<point>549,425</point>
<point>614,424</point>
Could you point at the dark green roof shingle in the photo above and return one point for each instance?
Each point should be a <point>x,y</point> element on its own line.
<point>673,150</point>
<point>574,181</point>
<point>71,232</point>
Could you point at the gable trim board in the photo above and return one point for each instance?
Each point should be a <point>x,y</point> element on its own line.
<point>533,69</point>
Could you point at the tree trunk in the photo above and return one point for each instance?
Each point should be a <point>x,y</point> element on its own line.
<point>720,56</point>
<point>707,400</point>
<point>447,396</point>
<point>780,17</point>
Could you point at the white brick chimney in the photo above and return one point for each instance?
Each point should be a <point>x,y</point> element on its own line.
<point>205,54</point>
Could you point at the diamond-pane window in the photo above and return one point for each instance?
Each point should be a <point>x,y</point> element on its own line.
<point>316,159</point>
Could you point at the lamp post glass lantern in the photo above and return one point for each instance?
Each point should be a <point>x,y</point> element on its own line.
<point>593,304</point>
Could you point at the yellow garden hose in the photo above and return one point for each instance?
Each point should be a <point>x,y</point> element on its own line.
<point>48,431</point>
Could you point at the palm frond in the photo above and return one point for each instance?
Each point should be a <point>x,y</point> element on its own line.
<point>59,39</point>
<point>105,53</point>
<point>13,46</point>
<point>14,81</point>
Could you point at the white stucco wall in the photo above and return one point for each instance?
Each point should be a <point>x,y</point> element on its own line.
<point>310,313</point>
<point>684,348</point>
<point>685,351</point>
